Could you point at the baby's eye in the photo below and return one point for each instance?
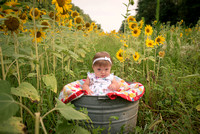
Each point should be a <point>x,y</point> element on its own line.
<point>106,69</point>
<point>99,69</point>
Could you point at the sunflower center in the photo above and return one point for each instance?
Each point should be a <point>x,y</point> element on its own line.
<point>36,12</point>
<point>158,40</point>
<point>74,14</point>
<point>147,30</point>
<point>38,35</point>
<point>120,55</point>
<point>87,25</point>
<point>61,3</point>
<point>135,31</point>
<point>12,23</point>
<point>150,44</point>
<point>78,20</point>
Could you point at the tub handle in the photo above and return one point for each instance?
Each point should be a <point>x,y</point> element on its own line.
<point>103,97</point>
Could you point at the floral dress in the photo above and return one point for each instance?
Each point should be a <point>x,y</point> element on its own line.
<point>99,86</point>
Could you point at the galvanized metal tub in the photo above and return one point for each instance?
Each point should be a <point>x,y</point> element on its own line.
<point>101,108</point>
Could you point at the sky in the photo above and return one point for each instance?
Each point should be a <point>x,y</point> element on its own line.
<point>108,13</point>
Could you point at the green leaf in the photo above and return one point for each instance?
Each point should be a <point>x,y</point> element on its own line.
<point>71,129</point>
<point>198,107</point>
<point>81,52</point>
<point>50,81</point>
<point>32,75</point>
<point>25,89</point>
<point>8,107</point>
<point>70,113</point>
<point>4,86</point>
<point>151,58</point>
<point>12,125</point>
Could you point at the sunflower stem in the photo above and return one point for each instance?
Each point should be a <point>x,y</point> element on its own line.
<point>2,65</point>
<point>53,39</point>
<point>36,51</point>
<point>158,69</point>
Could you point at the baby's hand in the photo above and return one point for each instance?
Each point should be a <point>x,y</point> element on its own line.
<point>90,92</point>
<point>112,87</point>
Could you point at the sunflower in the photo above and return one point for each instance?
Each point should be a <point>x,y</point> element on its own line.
<point>39,35</point>
<point>132,25</point>
<point>45,24</point>
<point>13,4</point>
<point>87,25</point>
<point>150,43</point>
<point>23,17</point>
<point>161,54</point>
<point>121,55</point>
<point>37,13</point>
<point>78,20</point>
<point>181,34</point>
<point>131,18</point>
<point>64,14</point>
<point>159,39</point>
<point>141,23</point>
<point>12,24</point>
<point>51,15</point>
<point>70,24</point>
<point>125,45</point>
<point>136,32</point>
<point>79,27</point>
<point>74,14</point>
<point>136,56</point>
<point>148,30</point>
<point>62,5</point>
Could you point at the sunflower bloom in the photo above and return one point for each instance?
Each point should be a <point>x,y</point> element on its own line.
<point>121,55</point>
<point>148,30</point>
<point>136,32</point>
<point>150,43</point>
<point>125,45</point>
<point>23,17</point>
<point>79,27</point>
<point>159,40</point>
<point>136,56</point>
<point>78,20</point>
<point>45,24</point>
<point>74,14</point>
<point>141,23</point>
<point>39,35</point>
<point>181,34</point>
<point>131,18</point>
<point>51,15</point>
<point>37,13</point>
<point>132,25</point>
<point>62,5</point>
<point>13,24</point>
<point>161,54</point>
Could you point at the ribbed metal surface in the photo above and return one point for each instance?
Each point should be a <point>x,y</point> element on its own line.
<point>101,108</point>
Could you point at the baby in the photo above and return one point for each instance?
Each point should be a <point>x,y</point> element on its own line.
<point>101,81</point>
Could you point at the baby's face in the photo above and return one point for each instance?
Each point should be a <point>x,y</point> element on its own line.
<point>101,71</point>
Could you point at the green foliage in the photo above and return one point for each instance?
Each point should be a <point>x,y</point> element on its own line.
<point>25,89</point>
<point>8,106</point>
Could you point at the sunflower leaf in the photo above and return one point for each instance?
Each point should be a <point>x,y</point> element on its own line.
<point>25,89</point>
<point>12,125</point>
<point>50,81</point>
<point>70,113</point>
<point>8,107</point>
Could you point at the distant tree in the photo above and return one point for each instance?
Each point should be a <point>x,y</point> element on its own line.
<point>170,10</point>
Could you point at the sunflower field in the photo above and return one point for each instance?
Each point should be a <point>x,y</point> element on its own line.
<point>43,50</point>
